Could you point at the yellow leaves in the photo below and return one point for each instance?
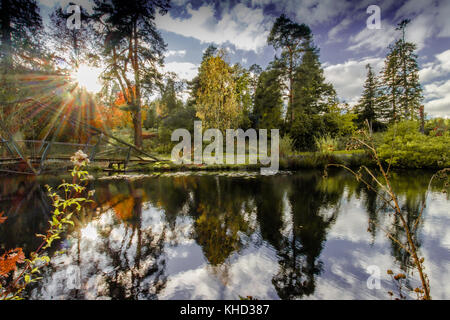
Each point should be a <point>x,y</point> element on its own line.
<point>123,206</point>
<point>217,101</point>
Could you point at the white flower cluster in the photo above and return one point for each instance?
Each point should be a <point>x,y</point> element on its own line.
<point>80,158</point>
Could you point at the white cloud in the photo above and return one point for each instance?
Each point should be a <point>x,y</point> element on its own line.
<point>436,69</point>
<point>176,53</point>
<point>315,11</point>
<point>86,4</point>
<point>348,77</point>
<point>428,19</point>
<point>436,89</point>
<point>241,26</point>
<point>437,97</point>
<point>373,39</point>
<point>435,12</point>
<point>184,70</point>
<point>337,29</point>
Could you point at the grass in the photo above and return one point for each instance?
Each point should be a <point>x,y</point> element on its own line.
<point>292,162</point>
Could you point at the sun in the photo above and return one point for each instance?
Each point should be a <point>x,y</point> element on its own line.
<point>88,78</point>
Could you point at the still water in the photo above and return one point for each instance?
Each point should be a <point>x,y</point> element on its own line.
<point>224,235</point>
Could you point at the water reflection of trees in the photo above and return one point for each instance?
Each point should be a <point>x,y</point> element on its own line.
<point>309,198</point>
<point>139,275</point>
<point>291,214</point>
<point>411,191</point>
<point>114,249</point>
<point>220,209</point>
<point>24,201</point>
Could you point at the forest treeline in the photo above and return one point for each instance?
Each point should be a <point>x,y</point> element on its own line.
<point>290,94</point>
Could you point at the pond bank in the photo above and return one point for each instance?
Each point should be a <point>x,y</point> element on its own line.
<point>305,160</point>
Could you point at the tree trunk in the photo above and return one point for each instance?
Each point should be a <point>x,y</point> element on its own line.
<point>137,124</point>
<point>291,83</point>
<point>6,37</point>
<point>422,119</point>
<point>137,93</point>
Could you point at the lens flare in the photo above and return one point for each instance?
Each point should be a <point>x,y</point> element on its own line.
<point>88,78</point>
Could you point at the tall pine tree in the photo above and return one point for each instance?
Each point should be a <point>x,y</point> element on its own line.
<point>312,94</point>
<point>20,32</point>
<point>268,100</point>
<point>367,108</point>
<point>400,75</point>
<point>132,49</point>
<point>288,37</point>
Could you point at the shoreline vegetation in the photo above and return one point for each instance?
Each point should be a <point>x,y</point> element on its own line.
<point>304,160</point>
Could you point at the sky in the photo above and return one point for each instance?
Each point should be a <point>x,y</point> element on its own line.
<point>340,31</point>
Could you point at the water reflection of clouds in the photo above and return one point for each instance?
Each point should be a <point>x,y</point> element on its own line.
<point>249,273</point>
<point>347,252</point>
<point>438,220</point>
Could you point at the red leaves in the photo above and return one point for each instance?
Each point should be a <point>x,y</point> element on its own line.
<point>9,261</point>
<point>2,218</point>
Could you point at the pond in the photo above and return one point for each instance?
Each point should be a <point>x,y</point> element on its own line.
<point>221,235</point>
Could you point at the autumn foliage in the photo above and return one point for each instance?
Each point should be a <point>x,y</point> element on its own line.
<point>10,259</point>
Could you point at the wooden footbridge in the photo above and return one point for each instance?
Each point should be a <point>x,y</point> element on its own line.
<point>46,155</point>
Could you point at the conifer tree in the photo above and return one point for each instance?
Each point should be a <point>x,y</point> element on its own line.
<point>402,89</point>
<point>289,37</point>
<point>242,79</point>
<point>132,49</point>
<point>20,33</point>
<point>367,107</point>
<point>312,94</point>
<point>70,44</point>
<point>268,100</point>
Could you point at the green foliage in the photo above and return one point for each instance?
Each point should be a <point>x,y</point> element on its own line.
<point>369,106</point>
<point>404,146</point>
<point>67,199</point>
<point>306,128</point>
<point>169,102</point>
<point>20,34</point>
<point>217,105</point>
<point>326,144</point>
<point>150,121</point>
<point>183,118</point>
<point>339,122</point>
<point>437,126</point>
<point>286,146</point>
<point>312,94</point>
<point>289,37</point>
<point>243,80</point>
<point>402,92</point>
<point>268,101</point>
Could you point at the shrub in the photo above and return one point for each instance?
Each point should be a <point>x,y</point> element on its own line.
<point>405,147</point>
<point>68,200</point>
<point>286,146</point>
<point>326,144</point>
